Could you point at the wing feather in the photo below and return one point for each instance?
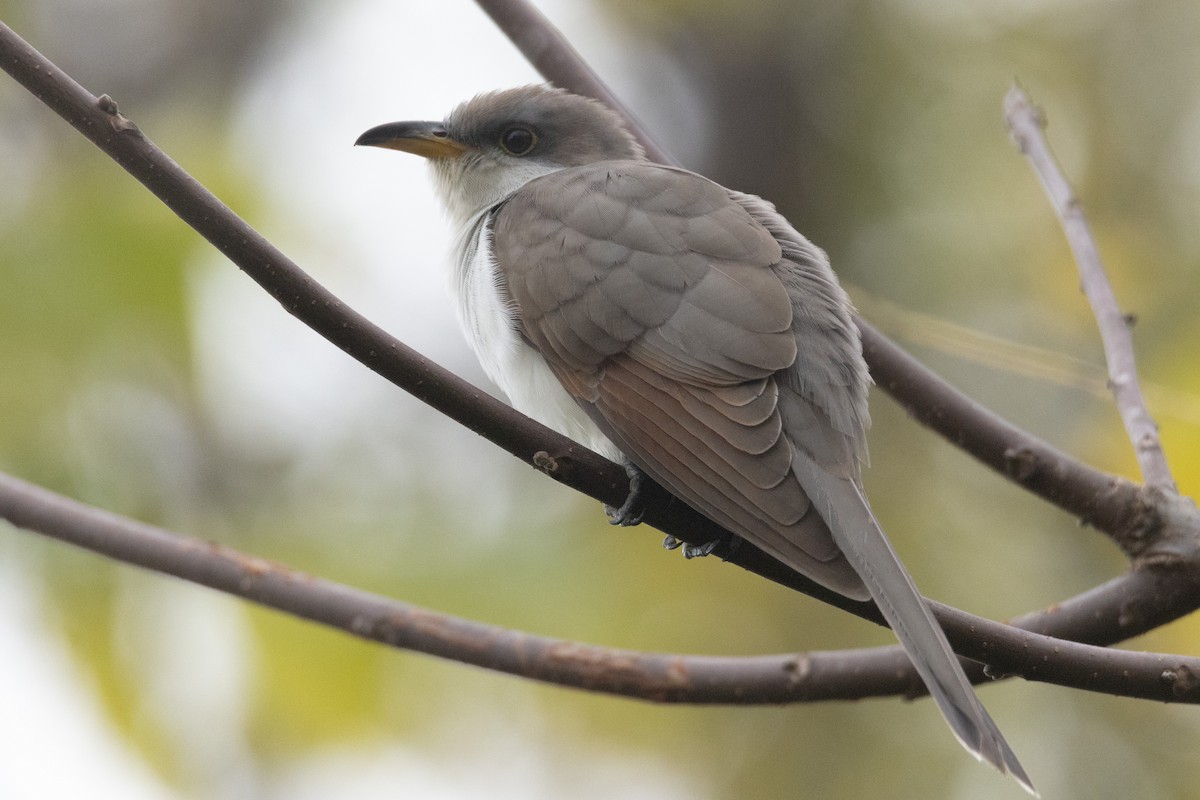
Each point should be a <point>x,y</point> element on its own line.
<point>662,304</point>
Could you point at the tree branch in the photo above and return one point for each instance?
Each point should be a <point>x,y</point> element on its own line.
<point>1027,126</point>
<point>836,675</point>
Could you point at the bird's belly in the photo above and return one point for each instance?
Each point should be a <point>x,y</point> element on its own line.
<point>516,368</point>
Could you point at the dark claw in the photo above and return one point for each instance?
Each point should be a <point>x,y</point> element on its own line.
<point>700,550</point>
<point>631,511</point>
<point>690,550</point>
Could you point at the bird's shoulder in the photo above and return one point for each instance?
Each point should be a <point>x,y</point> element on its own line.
<point>647,207</point>
<point>662,263</point>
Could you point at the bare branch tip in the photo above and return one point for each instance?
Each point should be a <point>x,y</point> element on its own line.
<point>1022,116</point>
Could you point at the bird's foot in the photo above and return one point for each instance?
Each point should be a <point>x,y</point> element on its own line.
<point>691,550</point>
<point>700,550</point>
<point>631,511</point>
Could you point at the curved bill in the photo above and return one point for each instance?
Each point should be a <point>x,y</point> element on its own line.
<point>427,139</point>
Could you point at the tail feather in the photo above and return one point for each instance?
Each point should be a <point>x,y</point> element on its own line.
<point>844,506</point>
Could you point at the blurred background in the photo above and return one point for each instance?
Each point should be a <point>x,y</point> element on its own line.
<point>141,372</point>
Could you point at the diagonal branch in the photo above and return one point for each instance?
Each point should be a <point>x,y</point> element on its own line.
<point>1027,125</point>
<point>807,677</point>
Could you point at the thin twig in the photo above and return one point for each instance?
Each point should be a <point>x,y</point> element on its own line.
<point>1027,125</point>
<point>834,675</point>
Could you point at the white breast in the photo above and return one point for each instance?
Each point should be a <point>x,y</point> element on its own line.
<point>491,328</point>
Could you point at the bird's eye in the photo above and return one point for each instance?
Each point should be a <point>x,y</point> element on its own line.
<point>517,141</point>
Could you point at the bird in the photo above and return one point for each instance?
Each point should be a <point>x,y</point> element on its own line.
<point>684,330</point>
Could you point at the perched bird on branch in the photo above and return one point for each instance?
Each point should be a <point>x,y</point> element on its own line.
<point>682,329</point>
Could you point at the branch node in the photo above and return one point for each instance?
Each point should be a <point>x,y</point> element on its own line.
<point>997,674</point>
<point>798,669</point>
<point>1020,463</point>
<point>561,465</point>
<point>1164,532</point>
<point>1181,680</point>
<point>1145,527</point>
<point>120,122</point>
<point>545,462</point>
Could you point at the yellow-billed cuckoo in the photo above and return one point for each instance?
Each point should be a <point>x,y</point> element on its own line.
<point>682,328</point>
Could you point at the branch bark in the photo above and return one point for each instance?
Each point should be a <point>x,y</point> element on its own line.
<point>667,678</point>
<point>1027,126</point>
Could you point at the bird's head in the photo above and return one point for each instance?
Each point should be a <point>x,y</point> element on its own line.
<point>495,143</point>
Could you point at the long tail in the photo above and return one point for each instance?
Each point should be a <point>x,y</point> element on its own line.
<point>843,505</point>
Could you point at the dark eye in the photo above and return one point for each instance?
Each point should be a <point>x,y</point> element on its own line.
<point>517,141</point>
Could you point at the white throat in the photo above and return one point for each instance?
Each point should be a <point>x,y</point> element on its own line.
<point>475,182</point>
<point>486,316</point>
